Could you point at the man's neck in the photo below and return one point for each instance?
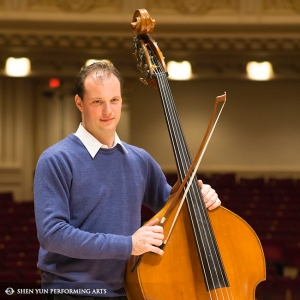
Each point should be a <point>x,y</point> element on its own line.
<point>107,140</point>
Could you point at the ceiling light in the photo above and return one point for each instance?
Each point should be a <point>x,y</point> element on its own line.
<point>179,70</point>
<point>17,67</point>
<point>260,70</point>
<point>91,61</point>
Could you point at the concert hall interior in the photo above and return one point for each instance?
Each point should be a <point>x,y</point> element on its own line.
<point>253,157</point>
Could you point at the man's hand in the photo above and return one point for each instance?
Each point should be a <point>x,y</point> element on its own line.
<point>148,238</point>
<point>210,196</point>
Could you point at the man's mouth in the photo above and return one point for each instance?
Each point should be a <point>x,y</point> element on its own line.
<point>106,120</point>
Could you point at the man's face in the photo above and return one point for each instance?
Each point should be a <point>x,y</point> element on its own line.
<point>101,106</point>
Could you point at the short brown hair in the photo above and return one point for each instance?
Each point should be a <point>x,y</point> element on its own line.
<point>102,68</point>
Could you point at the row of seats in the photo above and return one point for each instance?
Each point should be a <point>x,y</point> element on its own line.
<point>18,248</point>
<point>272,209</point>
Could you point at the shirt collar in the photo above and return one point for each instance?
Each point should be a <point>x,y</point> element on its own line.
<point>91,143</point>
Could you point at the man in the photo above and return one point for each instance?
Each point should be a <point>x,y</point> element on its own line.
<point>89,189</point>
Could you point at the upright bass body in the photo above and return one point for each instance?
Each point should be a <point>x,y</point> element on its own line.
<point>178,273</point>
<point>207,255</point>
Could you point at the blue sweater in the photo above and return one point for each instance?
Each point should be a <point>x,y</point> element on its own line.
<point>86,211</point>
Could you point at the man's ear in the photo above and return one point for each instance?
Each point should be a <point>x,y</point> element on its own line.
<point>78,103</point>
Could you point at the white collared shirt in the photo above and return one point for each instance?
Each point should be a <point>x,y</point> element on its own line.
<point>91,143</point>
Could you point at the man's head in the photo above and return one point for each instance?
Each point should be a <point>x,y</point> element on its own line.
<point>101,70</point>
<point>99,100</point>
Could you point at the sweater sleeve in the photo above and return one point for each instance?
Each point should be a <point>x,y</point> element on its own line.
<point>52,182</point>
<point>158,190</point>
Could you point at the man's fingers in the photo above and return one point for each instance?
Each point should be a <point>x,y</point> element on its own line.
<point>215,204</point>
<point>157,250</point>
<point>152,222</point>
<point>148,238</point>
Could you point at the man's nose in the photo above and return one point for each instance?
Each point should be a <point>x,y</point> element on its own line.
<point>107,108</point>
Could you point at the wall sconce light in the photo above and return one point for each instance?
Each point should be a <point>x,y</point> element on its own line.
<point>17,67</point>
<point>179,70</point>
<point>259,70</point>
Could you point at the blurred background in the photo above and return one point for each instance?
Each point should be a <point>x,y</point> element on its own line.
<point>253,157</point>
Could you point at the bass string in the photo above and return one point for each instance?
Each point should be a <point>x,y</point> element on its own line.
<point>183,160</point>
<point>199,223</point>
<point>198,211</point>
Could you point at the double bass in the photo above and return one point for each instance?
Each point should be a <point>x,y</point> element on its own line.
<point>207,254</point>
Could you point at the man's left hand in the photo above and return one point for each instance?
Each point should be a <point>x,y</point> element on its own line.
<point>210,196</point>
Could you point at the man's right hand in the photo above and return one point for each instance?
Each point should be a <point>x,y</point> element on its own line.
<point>148,238</point>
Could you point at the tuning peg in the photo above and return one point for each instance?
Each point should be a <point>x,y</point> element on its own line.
<point>141,53</point>
<point>144,81</point>
<point>135,56</point>
<point>135,42</point>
